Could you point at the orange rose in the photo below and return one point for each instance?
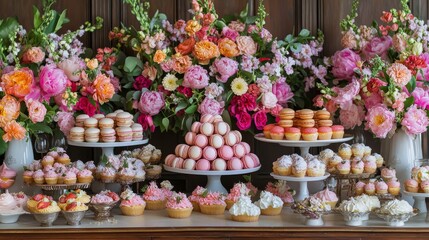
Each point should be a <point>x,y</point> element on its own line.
<point>186,46</point>
<point>149,71</point>
<point>104,89</point>
<point>9,110</point>
<point>205,50</point>
<point>181,63</point>
<point>33,55</point>
<point>18,83</point>
<point>192,27</point>
<point>228,48</point>
<point>159,56</point>
<point>92,64</point>
<point>13,131</point>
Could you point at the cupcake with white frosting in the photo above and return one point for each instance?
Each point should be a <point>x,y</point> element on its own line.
<point>269,204</point>
<point>244,210</point>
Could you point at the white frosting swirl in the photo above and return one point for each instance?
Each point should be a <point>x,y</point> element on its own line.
<point>284,161</point>
<point>354,206</point>
<point>269,200</point>
<point>372,202</point>
<point>244,206</point>
<point>300,164</point>
<point>396,207</point>
<point>166,185</point>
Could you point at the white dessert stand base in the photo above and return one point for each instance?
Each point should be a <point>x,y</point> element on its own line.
<point>214,183</point>
<point>302,192</point>
<point>107,148</point>
<point>420,202</point>
<point>314,222</point>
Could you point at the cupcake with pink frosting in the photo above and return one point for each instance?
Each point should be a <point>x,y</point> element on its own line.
<point>51,177</point>
<point>131,203</point>
<point>359,188</point>
<point>327,197</point>
<point>282,190</point>
<point>388,173</point>
<point>178,206</point>
<point>425,186</point>
<point>154,197</point>
<point>381,187</point>
<point>7,176</point>
<point>238,190</point>
<point>84,176</point>
<point>213,204</point>
<point>70,177</point>
<point>199,192</point>
<point>28,176</point>
<point>105,197</point>
<point>411,185</point>
<point>394,186</point>
<point>370,188</point>
<point>167,188</point>
<point>39,177</point>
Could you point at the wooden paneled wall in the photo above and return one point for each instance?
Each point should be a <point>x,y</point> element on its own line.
<point>285,16</point>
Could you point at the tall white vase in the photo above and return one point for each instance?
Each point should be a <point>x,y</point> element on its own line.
<point>400,153</point>
<point>19,154</point>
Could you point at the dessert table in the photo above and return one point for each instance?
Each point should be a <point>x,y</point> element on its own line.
<point>156,225</point>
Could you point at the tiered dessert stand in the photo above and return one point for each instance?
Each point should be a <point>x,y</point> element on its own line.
<point>419,202</point>
<point>214,183</point>
<point>304,146</point>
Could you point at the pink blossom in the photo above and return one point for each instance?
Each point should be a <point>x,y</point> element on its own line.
<point>210,106</point>
<point>151,103</point>
<point>35,93</point>
<point>244,120</point>
<point>225,68</point>
<point>372,100</point>
<point>61,102</point>
<point>415,121</point>
<point>260,119</point>
<point>146,121</point>
<point>346,94</point>
<point>230,33</point>
<point>116,83</point>
<point>399,102</point>
<point>275,111</point>
<point>33,55</point>
<point>331,106</point>
<point>421,98</point>
<point>378,46</point>
<point>380,120</point>
<point>352,116</point>
<point>53,81</point>
<point>318,101</point>
<point>85,105</point>
<point>269,100</point>
<point>243,103</point>
<point>167,65</point>
<point>283,92</point>
<point>65,121</point>
<point>36,111</point>
<point>344,63</point>
<point>246,45</point>
<point>72,67</point>
<point>141,82</point>
<point>196,77</point>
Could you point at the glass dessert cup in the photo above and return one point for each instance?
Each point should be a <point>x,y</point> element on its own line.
<point>46,219</point>
<point>396,220</point>
<point>102,210</point>
<point>73,218</point>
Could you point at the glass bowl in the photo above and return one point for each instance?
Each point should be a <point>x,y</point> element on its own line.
<point>396,220</point>
<point>354,218</point>
<point>11,217</point>
<point>102,210</point>
<point>46,219</point>
<point>74,218</point>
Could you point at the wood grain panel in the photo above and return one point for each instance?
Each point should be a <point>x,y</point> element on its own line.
<point>167,7</point>
<point>281,18</point>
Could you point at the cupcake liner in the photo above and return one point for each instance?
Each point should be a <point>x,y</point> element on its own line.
<point>245,218</point>
<point>155,205</point>
<point>132,210</point>
<point>179,213</point>
<point>212,209</point>
<point>270,211</point>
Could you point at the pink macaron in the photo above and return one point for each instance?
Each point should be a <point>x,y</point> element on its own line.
<point>217,118</point>
<point>221,128</point>
<point>216,141</point>
<point>195,152</point>
<point>239,150</point>
<point>248,161</point>
<point>219,164</point>
<point>246,146</point>
<point>255,159</point>
<point>207,129</point>
<point>189,164</point>
<point>225,152</point>
<point>230,139</point>
<point>207,118</point>
<point>238,135</point>
<point>203,165</point>
<point>201,140</point>
<point>235,164</point>
<point>209,153</point>
<point>177,162</point>
<point>183,151</point>
<point>169,159</point>
<point>196,127</point>
<point>190,138</point>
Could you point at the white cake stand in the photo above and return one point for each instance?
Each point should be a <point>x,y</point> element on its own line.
<point>302,192</point>
<point>419,202</point>
<point>303,145</point>
<point>107,148</point>
<point>214,183</point>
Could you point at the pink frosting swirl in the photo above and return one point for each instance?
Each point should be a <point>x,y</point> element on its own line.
<point>178,201</point>
<point>213,198</point>
<point>70,175</point>
<point>85,173</point>
<point>153,193</point>
<point>326,196</point>
<point>237,190</point>
<point>51,174</point>
<point>134,201</point>
<point>38,174</point>
<point>101,199</point>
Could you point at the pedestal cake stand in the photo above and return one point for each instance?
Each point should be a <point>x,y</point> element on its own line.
<point>214,183</point>
<point>302,192</point>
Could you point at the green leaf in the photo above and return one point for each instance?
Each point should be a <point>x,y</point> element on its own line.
<point>247,178</point>
<point>165,123</point>
<point>191,109</point>
<point>408,102</point>
<point>251,19</point>
<point>61,20</point>
<point>129,95</point>
<point>182,105</point>
<point>244,12</point>
<point>411,85</point>
<point>189,122</point>
<point>289,38</point>
<point>117,72</point>
<point>136,95</point>
<point>226,117</point>
<point>131,63</point>
<point>3,144</point>
<point>37,20</point>
<point>40,127</point>
<point>304,33</point>
<point>116,98</point>
<point>296,47</point>
<point>219,24</point>
<point>7,26</point>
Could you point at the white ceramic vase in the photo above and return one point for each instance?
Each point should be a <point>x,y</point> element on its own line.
<point>19,154</point>
<point>400,152</point>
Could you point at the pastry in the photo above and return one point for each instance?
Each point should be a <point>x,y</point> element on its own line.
<point>131,203</point>
<point>283,165</point>
<point>179,206</point>
<point>124,119</point>
<point>125,134</point>
<point>394,186</point>
<point>154,197</point>
<point>322,115</point>
<point>212,204</point>
<point>309,134</point>
<point>379,160</point>
<point>325,133</point>
<point>337,131</point>
<point>285,123</point>
<point>357,167</point>
<point>370,188</point>
<point>299,168</point>
<point>223,128</point>
<point>90,123</point>
<point>292,133</point>
<point>287,114</point>
<point>315,168</point>
<point>344,167</point>
<point>388,173</point>
<point>358,149</point>
<point>80,119</point>
<point>92,134</point>
<point>381,187</point>
<point>328,197</point>
<point>235,192</point>
<point>244,210</point>
<point>345,151</point>
<point>359,188</point>
<point>269,204</point>
<point>305,114</point>
<point>305,123</point>
<point>396,207</point>
<point>277,133</point>
<point>106,123</point>
<point>77,134</point>
<point>411,185</point>
<point>199,192</point>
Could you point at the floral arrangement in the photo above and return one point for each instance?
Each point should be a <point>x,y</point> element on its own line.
<point>207,65</point>
<point>379,78</point>
<point>37,70</point>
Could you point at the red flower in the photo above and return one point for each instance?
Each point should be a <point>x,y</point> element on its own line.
<point>185,91</point>
<point>386,17</point>
<point>414,63</point>
<point>141,82</point>
<point>374,84</point>
<point>244,120</point>
<point>264,59</point>
<point>260,119</point>
<point>85,105</point>
<point>146,121</point>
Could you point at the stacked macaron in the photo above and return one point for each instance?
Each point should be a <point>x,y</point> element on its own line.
<point>304,124</point>
<point>116,126</point>
<point>211,145</point>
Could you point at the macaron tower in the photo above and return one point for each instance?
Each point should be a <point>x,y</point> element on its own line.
<point>211,145</point>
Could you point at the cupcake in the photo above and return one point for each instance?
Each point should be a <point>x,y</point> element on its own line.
<point>277,133</point>
<point>47,161</point>
<point>39,177</point>
<point>51,177</point>
<point>244,210</point>
<point>327,197</point>
<point>369,188</point>
<point>269,204</point>
<point>344,167</point>
<point>84,176</point>
<point>74,206</point>
<point>131,203</point>
<point>282,190</point>
<point>358,149</point>
<point>370,167</point>
<point>367,151</point>
<point>292,133</point>
<point>309,134</point>
<point>154,197</point>
<point>381,187</point>
<point>425,186</point>
<point>70,177</point>
<point>345,151</point>
<point>394,186</point>
<point>236,191</point>
<point>212,204</point>
<point>411,185</point>
<point>357,167</point>
<point>105,197</point>
<point>28,176</point>
<point>379,160</point>
<point>325,133</point>
<point>325,155</point>
<point>178,206</point>
<point>315,168</point>
<point>359,188</point>
<point>42,204</point>
<point>333,162</point>
<point>126,175</point>
<point>167,188</point>
<point>388,173</point>
<point>396,207</point>
<point>267,129</point>
<point>337,131</point>
<point>299,167</point>
<point>108,175</point>
<point>199,192</point>
<point>283,165</point>
<point>371,202</point>
<point>63,158</point>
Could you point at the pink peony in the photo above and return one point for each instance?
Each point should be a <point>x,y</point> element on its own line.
<point>33,55</point>
<point>196,77</point>
<point>399,42</point>
<point>36,111</point>
<point>210,106</point>
<point>415,121</point>
<point>35,93</point>
<point>65,121</point>
<point>372,100</point>
<point>243,103</point>
<point>260,119</point>
<point>244,120</point>
<point>421,98</point>
<point>85,105</point>
<point>269,100</point>
<point>53,81</point>
<point>377,46</point>
<point>380,120</point>
<point>230,33</point>
<point>62,103</point>
<point>246,45</point>
<point>72,67</point>
<point>275,111</point>
<point>346,94</point>
<point>151,103</point>
<point>225,68</point>
<point>352,116</point>
<point>283,92</point>
<point>141,82</point>
<point>146,121</point>
<point>344,63</point>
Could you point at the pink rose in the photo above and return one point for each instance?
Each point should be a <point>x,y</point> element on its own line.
<point>196,77</point>
<point>36,111</point>
<point>33,55</point>
<point>167,65</point>
<point>415,121</point>
<point>53,81</point>
<point>260,119</point>
<point>230,33</point>
<point>85,105</point>
<point>352,116</point>
<point>346,94</point>
<point>283,92</point>
<point>377,46</point>
<point>116,83</point>
<point>380,120</point>
<point>344,63</point>
<point>210,106</point>
<point>65,121</point>
<point>421,98</point>
<point>275,111</point>
<point>269,100</point>
<point>61,102</point>
<point>244,120</point>
<point>72,67</point>
<point>146,121</point>
<point>237,26</point>
<point>225,68</point>
<point>151,103</point>
<point>246,45</point>
<point>372,100</point>
<point>141,82</point>
<point>318,101</point>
